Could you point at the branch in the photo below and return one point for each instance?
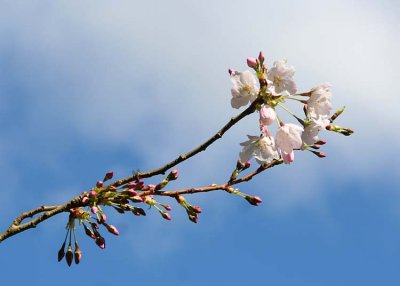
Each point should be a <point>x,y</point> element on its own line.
<point>184,157</point>
<point>49,211</point>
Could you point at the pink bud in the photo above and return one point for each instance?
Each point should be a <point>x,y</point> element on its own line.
<point>77,254</point>
<point>102,219</point>
<point>165,215</point>
<point>85,201</point>
<point>231,71</point>
<point>166,207</point>
<point>288,157</point>
<point>261,57</point>
<point>92,194</point>
<point>108,176</point>
<point>99,184</point>
<point>131,192</point>
<point>112,229</point>
<point>101,242</point>
<point>69,255</point>
<point>173,175</point>
<point>94,209</point>
<point>195,209</point>
<point>247,164</point>
<point>252,63</point>
<point>253,200</point>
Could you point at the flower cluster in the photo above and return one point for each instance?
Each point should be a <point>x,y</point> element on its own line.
<point>270,89</point>
<point>91,216</point>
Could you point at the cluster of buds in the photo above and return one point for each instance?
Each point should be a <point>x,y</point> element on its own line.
<point>240,167</point>
<point>271,88</point>
<point>91,215</point>
<point>191,210</point>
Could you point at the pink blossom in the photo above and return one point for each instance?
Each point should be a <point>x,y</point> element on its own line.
<point>267,116</point>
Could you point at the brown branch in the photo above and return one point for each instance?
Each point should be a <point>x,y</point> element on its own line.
<point>49,211</point>
<point>214,187</point>
<point>46,213</point>
<point>191,153</point>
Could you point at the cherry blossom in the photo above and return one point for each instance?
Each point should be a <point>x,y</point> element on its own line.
<point>281,77</point>
<point>311,130</point>
<point>288,137</point>
<point>267,115</point>
<point>244,88</point>
<point>261,148</point>
<point>319,103</point>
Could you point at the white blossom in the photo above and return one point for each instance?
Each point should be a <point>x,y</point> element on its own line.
<point>261,148</point>
<point>311,130</point>
<point>281,77</point>
<point>288,137</point>
<point>245,88</point>
<point>319,103</point>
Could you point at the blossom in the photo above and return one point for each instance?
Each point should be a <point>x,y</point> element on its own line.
<point>288,138</point>
<point>311,130</point>
<point>267,115</point>
<point>261,148</point>
<point>281,77</point>
<point>319,103</point>
<point>244,88</point>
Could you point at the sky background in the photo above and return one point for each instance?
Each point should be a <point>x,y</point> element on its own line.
<point>92,86</point>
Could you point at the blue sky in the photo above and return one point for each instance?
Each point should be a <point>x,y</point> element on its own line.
<point>123,85</point>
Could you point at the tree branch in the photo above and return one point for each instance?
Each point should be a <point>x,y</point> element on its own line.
<point>50,211</point>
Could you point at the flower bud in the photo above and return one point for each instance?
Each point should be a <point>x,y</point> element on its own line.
<point>112,229</point>
<point>173,175</point>
<point>247,165</point>
<point>69,255</point>
<point>194,209</point>
<point>261,57</point>
<point>130,192</point>
<point>89,232</point>
<point>193,218</point>
<point>61,252</point>
<point>138,211</point>
<point>318,154</point>
<point>77,254</point>
<point>239,165</point>
<point>102,218</point>
<point>94,210</point>
<point>99,184</point>
<point>166,207</point>
<point>92,194</point>
<point>252,63</point>
<point>108,176</point>
<point>165,215</point>
<point>101,242</point>
<point>231,71</point>
<point>253,200</point>
<point>85,201</point>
